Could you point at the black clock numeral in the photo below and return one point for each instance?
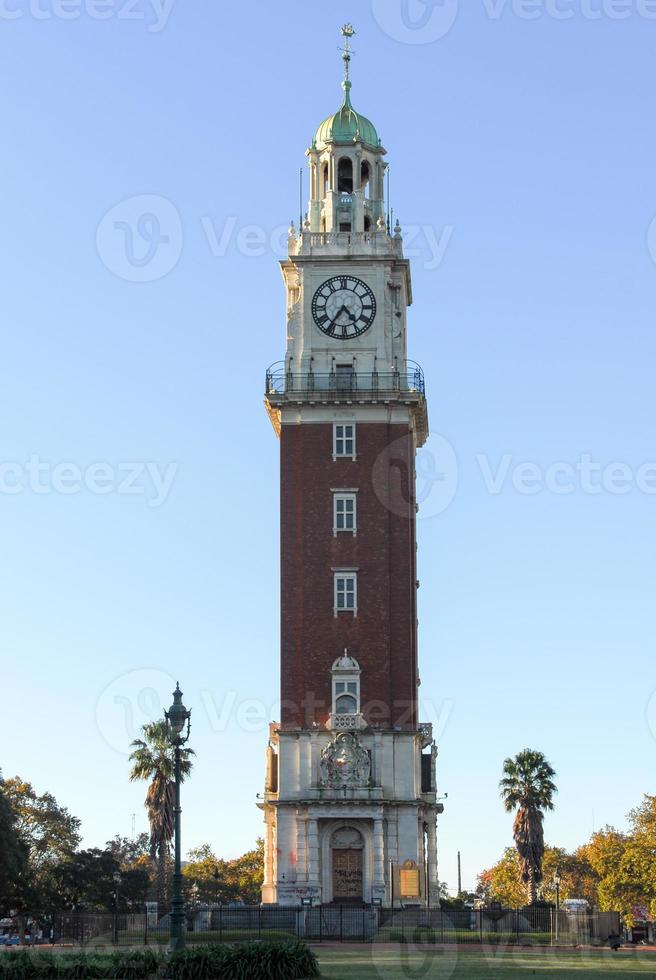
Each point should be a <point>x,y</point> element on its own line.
<point>343,283</point>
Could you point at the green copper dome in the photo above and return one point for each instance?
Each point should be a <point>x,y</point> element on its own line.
<point>346,125</point>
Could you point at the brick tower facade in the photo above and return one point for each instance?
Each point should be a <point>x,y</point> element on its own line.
<point>350,801</point>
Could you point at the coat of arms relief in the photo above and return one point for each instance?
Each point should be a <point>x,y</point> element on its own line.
<point>345,762</point>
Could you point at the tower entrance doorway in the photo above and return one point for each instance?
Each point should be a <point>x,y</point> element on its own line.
<point>347,849</point>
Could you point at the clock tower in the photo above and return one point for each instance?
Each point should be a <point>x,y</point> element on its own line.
<point>350,802</point>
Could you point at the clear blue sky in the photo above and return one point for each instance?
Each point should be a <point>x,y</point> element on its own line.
<point>533,143</point>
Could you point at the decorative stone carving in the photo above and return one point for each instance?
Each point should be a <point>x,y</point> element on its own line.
<point>426,733</point>
<point>345,762</point>
<point>346,664</point>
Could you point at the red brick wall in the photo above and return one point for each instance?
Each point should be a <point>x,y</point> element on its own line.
<point>383,635</point>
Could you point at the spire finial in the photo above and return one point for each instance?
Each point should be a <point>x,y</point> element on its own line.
<point>347,32</point>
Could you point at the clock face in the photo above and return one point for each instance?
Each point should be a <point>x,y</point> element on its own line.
<point>344,307</point>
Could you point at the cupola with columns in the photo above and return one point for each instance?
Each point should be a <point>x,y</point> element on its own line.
<point>347,167</point>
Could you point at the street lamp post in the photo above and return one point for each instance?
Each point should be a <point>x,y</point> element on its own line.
<point>117,881</point>
<point>177,717</point>
<point>557,884</point>
<point>215,875</point>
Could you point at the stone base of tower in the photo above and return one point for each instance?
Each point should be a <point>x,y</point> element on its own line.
<point>370,844</point>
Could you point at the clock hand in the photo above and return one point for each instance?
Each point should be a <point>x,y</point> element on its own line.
<point>346,310</point>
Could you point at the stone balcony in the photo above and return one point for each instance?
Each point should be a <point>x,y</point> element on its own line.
<point>405,387</point>
<point>346,243</point>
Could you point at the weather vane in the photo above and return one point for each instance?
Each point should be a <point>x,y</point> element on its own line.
<point>347,32</point>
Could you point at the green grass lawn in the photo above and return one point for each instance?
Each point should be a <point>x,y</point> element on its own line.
<point>402,962</point>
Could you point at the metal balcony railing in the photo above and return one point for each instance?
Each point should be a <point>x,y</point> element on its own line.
<point>345,383</point>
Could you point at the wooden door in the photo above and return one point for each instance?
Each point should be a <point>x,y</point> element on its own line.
<point>347,875</point>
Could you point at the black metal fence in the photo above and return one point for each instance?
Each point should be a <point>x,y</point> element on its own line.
<point>543,927</point>
<point>348,383</point>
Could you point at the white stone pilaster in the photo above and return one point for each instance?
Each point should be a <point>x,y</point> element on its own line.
<point>432,851</point>
<point>379,856</point>
<point>301,849</point>
<point>313,852</point>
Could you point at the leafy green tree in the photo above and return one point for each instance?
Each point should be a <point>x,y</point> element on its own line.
<point>503,883</point>
<point>87,880</point>
<point>13,854</point>
<point>130,851</point>
<point>152,759</point>
<point>49,835</point>
<point>218,880</point>
<point>133,857</point>
<point>577,877</point>
<point>527,787</point>
<point>247,874</point>
<point>625,863</point>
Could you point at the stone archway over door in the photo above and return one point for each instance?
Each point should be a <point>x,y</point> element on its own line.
<point>347,865</point>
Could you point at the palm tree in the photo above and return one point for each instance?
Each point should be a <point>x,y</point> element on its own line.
<point>153,758</point>
<point>527,786</point>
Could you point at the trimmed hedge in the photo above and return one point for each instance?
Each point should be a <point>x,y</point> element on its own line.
<point>246,961</point>
<point>24,965</point>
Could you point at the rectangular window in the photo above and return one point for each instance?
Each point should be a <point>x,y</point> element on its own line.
<point>346,592</point>
<point>344,513</point>
<point>344,440</point>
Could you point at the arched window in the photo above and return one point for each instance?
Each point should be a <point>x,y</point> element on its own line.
<point>324,180</point>
<point>367,223</point>
<point>345,176</point>
<point>365,178</point>
<point>346,704</point>
<point>346,693</point>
